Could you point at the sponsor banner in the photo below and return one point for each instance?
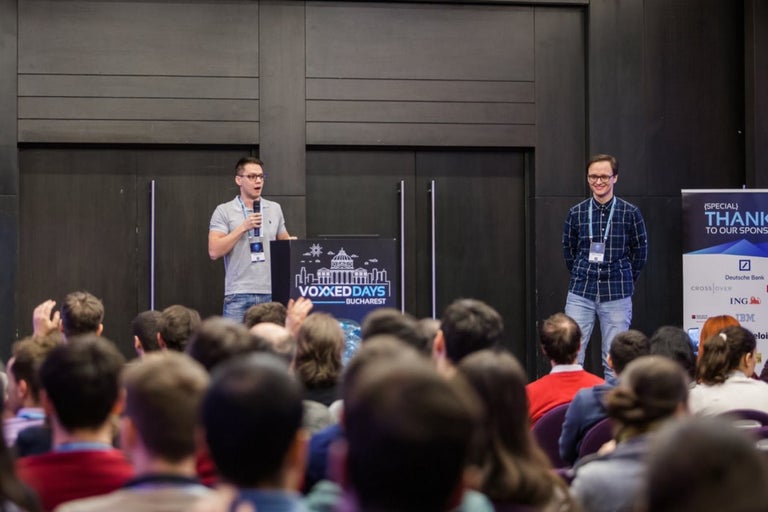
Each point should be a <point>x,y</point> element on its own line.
<point>725,260</point>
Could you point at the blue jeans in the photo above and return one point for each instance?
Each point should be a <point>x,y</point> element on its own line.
<point>615,316</point>
<point>237,304</point>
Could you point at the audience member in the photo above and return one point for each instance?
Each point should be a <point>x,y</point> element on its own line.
<point>428,328</point>
<point>178,324</point>
<point>651,391</point>
<point>157,433</point>
<point>705,464</point>
<point>14,494</point>
<point>273,312</point>
<point>320,342</point>
<point>394,322</point>
<point>712,326</point>
<point>675,344</point>
<point>409,433</point>
<point>81,313</point>
<point>587,407</point>
<point>252,419</point>
<point>218,339</point>
<point>146,327</point>
<point>725,375</point>
<point>279,338</point>
<point>560,338</point>
<point>377,350</point>
<point>23,390</point>
<point>467,326</point>
<point>516,471</point>
<point>81,393</point>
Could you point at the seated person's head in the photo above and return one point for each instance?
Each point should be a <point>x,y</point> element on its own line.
<point>162,402</point>
<point>218,339</point>
<point>705,464</point>
<point>273,312</point>
<point>81,382</point>
<point>320,343</point>
<point>278,338</point>
<point>712,326</point>
<point>394,322</point>
<point>674,343</point>
<point>81,313</point>
<point>252,417</point>
<point>468,325</point>
<point>733,348</point>
<point>145,327</point>
<point>178,324</point>
<point>23,389</point>
<point>560,338</point>
<point>409,432</point>
<point>626,347</point>
<point>652,390</point>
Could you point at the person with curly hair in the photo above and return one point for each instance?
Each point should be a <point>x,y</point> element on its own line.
<point>320,343</point>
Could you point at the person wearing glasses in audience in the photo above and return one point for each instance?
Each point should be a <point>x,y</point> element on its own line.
<point>240,231</point>
<point>605,247</point>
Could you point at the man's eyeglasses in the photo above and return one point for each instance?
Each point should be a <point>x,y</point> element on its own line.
<point>254,177</point>
<point>594,178</point>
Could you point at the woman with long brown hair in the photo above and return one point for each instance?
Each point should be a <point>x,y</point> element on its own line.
<point>515,471</point>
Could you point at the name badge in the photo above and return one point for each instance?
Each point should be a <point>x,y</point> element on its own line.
<point>596,252</point>
<point>257,250</point>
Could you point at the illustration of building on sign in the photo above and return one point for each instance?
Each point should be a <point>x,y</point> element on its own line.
<point>342,272</point>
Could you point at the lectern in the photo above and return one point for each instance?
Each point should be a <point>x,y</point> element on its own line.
<point>346,277</point>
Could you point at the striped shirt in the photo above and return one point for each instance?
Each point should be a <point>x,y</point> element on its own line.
<point>626,249</point>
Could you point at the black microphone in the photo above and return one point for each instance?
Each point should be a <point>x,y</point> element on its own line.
<point>256,209</point>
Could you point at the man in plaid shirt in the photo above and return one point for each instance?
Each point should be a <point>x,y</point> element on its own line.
<point>605,248</point>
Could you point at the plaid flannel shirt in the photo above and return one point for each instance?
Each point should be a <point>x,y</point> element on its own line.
<point>626,249</point>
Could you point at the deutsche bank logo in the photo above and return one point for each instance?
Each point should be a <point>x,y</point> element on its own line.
<point>745,265</point>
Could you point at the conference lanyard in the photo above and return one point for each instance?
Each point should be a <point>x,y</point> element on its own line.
<point>607,225</point>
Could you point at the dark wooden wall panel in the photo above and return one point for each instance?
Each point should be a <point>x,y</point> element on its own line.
<point>120,71</point>
<point>756,101</point>
<point>126,86</point>
<point>558,181</point>
<point>417,74</point>
<point>419,41</point>
<point>617,89</point>
<point>395,134</point>
<point>137,132</point>
<point>9,177</point>
<point>167,109</point>
<point>419,90</point>
<point>283,112</point>
<point>186,38</point>
<point>694,69</point>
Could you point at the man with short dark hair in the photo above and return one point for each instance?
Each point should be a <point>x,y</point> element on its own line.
<point>605,247</point>
<point>81,393</point>
<point>467,325</point>
<point>587,408</point>
<point>219,339</point>
<point>396,323</point>
<point>157,433</point>
<point>240,230</point>
<point>23,390</point>
<point>409,433</point>
<point>81,313</point>
<point>252,415</point>
<point>177,324</point>
<point>560,338</point>
<point>145,327</point>
<point>272,312</point>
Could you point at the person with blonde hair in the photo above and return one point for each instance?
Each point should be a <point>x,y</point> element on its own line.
<point>320,343</point>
